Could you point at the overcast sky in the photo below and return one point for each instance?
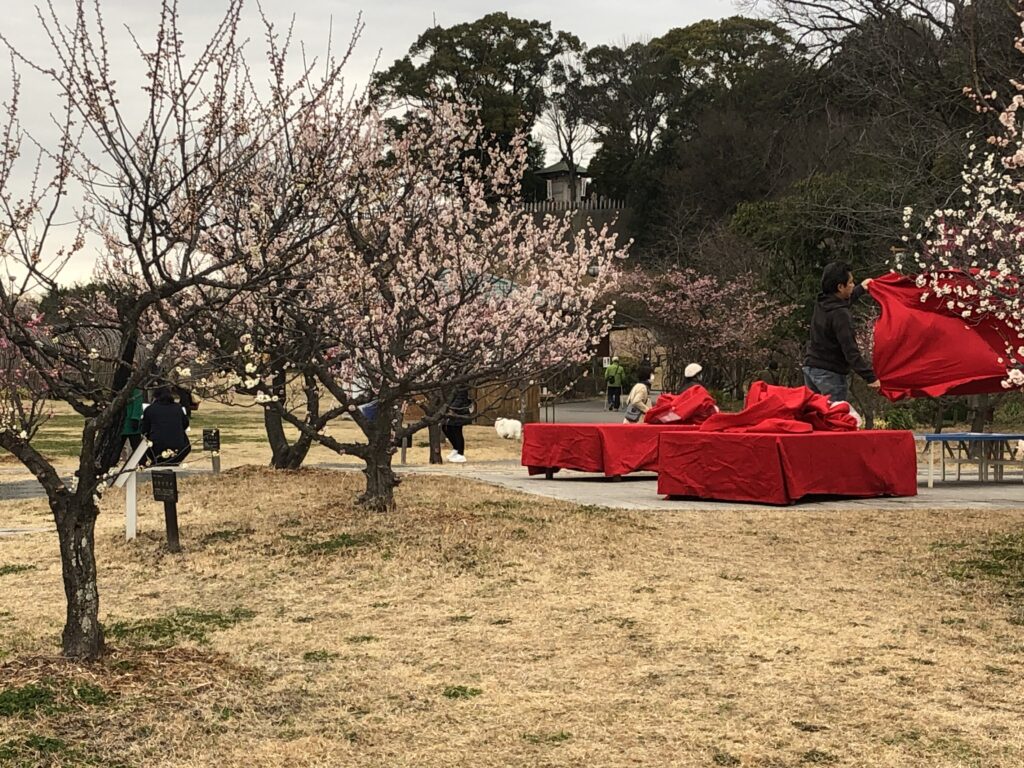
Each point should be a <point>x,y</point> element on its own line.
<point>391,26</point>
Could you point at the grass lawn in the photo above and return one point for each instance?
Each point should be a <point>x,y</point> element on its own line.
<point>244,439</point>
<point>478,627</point>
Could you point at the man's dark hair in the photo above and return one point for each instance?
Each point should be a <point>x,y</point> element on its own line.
<point>163,395</point>
<point>834,275</point>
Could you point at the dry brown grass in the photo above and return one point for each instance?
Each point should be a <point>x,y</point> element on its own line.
<point>480,627</point>
<point>244,441</point>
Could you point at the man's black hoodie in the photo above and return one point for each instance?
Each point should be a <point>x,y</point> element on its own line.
<point>833,345</point>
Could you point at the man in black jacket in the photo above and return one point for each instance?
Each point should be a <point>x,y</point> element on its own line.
<point>164,423</point>
<point>832,350</point>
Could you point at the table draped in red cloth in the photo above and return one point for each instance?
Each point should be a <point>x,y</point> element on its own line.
<point>782,468</point>
<point>611,449</point>
<point>922,349</point>
<point>693,406</point>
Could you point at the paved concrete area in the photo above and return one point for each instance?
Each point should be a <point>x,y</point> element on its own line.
<point>593,411</point>
<point>635,491</point>
<point>640,491</point>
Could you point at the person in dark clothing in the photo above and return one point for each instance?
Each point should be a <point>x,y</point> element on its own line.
<point>645,370</point>
<point>164,423</point>
<point>459,415</point>
<point>832,351</point>
<point>186,400</point>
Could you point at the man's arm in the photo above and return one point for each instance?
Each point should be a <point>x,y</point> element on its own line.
<point>860,291</point>
<point>843,325</point>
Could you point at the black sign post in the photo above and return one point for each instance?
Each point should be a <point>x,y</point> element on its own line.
<point>165,489</point>
<point>211,444</point>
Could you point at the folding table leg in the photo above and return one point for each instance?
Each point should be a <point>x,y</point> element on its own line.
<point>931,466</point>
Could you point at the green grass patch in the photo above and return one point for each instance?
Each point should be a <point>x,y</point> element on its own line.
<point>226,536</point>
<point>547,738</point>
<point>39,750</point>
<point>460,692</point>
<point>1000,558</point>
<point>177,626</point>
<point>721,757</point>
<point>319,656</point>
<point>7,570</point>
<point>357,639</point>
<point>27,700</point>
<point>49,698</point>
<point>335,544</point>
<point>818,757</point>
<point>31,749</point>
<point>800,725</point>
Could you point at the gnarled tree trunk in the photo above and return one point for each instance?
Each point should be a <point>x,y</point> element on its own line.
<point>76,522</point>
<point>284,455</point>
<point>381,480</point>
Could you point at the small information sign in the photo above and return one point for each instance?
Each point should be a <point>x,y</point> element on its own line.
<point>211,439</point>
<point>165,485</point>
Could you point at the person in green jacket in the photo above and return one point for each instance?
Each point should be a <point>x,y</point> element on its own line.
<point>131,430</point>
<point>614,376</point>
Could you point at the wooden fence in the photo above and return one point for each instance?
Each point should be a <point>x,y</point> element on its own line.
<point>561,206</point>
<point>495,401</point>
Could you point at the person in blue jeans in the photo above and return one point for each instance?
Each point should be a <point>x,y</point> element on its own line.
<point>832,351</point>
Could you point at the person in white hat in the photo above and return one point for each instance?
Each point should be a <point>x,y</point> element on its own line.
<point>692,376</point>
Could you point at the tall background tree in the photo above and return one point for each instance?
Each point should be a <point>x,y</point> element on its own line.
<point>497,64</point>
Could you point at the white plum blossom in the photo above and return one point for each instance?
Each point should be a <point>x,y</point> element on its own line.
<point>972,254</point>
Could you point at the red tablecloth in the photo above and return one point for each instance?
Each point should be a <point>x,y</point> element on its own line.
<point>782,468</point>
<point>923,349</point>
<point>611,449</point>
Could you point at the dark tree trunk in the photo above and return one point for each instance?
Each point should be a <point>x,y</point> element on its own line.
<point>76,522</point>
<point>981,413</point>
<point>434,435</point>
<point>381,480</point>
<point>110,442</point>
<point>284,455</point>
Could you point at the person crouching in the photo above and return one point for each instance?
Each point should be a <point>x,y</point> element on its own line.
<point>163,424</point>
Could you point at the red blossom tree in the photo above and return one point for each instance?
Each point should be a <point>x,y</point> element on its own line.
<point>724,324</point>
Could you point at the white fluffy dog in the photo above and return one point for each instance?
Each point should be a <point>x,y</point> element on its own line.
<point>510,429</point>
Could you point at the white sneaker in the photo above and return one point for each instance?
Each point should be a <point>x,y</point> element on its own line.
<point>452,455</point>
<point>458,458</point>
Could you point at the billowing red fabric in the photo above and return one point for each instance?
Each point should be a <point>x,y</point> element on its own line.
<point>923,350</point>
<point>782,468</point>
<point>770,408</point>
<point>610,449</point>
<point>693,406</point>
